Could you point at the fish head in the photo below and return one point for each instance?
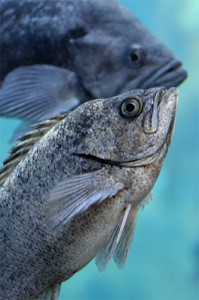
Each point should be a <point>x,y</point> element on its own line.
<point>115,53</point>
<point>152,65</point>
<point>132,129</point>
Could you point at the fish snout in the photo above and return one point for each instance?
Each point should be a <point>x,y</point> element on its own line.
<point>169,75</point>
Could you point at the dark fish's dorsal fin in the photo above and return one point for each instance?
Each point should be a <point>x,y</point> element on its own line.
<point>26,142</point>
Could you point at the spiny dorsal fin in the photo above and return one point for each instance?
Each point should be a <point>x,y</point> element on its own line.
<point>26,142</point>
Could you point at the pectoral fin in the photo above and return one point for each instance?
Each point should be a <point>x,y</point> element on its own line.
<point>50,293</point>
<point>74,195</point>
<point>38,92</point>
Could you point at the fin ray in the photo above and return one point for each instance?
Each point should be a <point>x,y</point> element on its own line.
<point>26,142</point>
<point>38,91</point>
<point>50,293</point>
<point>106,253</point>
<point>123,246</point>
<point>76,194</point>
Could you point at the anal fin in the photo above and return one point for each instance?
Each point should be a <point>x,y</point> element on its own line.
<point>123,247</point>
<point>107,252</point>
<point>50,293</point>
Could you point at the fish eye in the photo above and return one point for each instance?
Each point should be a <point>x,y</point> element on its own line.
<point>131,107</point>
<point>136,55</point>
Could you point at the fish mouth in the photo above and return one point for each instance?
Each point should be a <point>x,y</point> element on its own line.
<point>140,162</point>
<point>170,74</point>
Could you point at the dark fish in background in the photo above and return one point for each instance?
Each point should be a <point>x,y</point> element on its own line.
<point>72,187</point>
<point>57,54</point>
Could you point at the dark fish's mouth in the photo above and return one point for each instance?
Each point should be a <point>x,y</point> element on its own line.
<point>169,75</point>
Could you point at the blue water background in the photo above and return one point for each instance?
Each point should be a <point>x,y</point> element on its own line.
<point>164,258</point>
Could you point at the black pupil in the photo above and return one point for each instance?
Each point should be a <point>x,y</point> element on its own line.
<point>130,107</point>
<point>135,57</point>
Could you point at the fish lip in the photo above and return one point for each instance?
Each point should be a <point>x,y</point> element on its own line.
<point>141,162</point>
<point>170,74</point>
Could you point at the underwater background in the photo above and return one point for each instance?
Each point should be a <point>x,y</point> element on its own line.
<point>164,258</point>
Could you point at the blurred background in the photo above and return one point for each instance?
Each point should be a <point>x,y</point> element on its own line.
<point>164,258</point>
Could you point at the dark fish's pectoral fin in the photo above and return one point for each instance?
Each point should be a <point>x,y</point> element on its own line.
<point>50,293</point>
<point>106,253</point>
<point>38,92</point>
<point>73,196</point>
<point>123,247</point>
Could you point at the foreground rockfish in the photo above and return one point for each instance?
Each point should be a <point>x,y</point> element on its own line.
<point>72,187</point>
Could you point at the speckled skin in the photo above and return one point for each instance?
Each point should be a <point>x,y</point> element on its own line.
<point>32,257</point>
<point>93,38</point>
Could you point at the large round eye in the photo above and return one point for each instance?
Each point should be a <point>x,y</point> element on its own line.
<point>131,107</point>
<point>136,55</point>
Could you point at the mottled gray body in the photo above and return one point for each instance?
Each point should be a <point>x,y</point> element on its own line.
<point>59,53</point>
<point>76,192</point>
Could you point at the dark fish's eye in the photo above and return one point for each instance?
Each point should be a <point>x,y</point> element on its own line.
<point>131,107</point>
<point>136,55</point>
